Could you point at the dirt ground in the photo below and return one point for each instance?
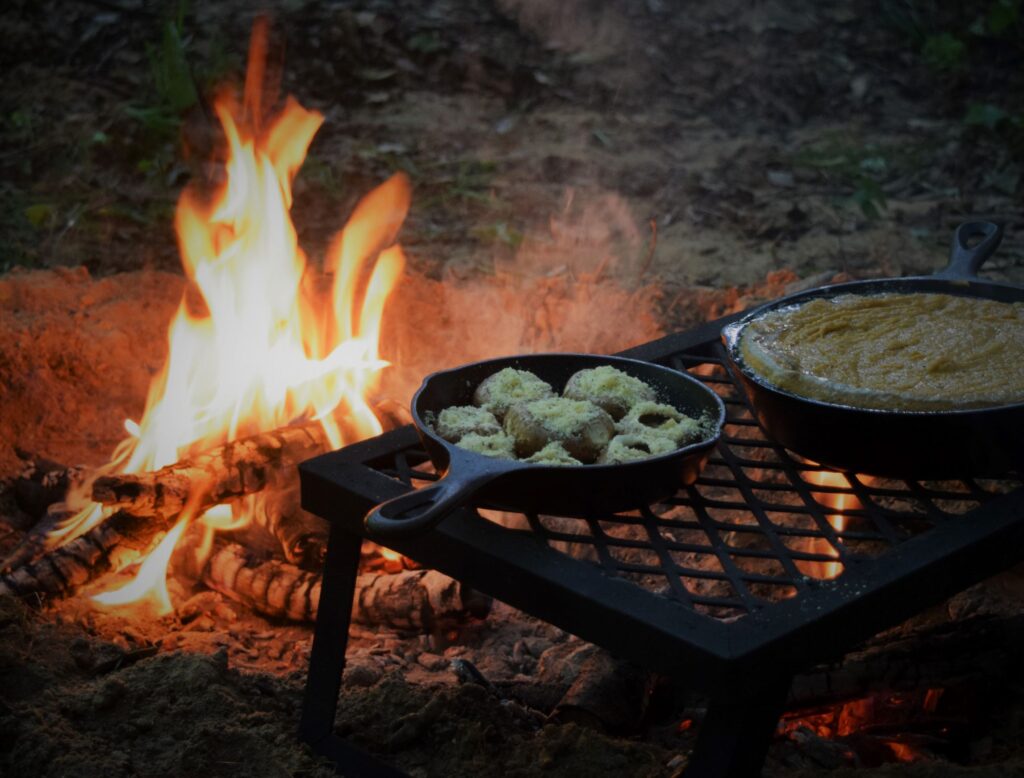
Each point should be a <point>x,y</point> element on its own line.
<point>587,175</point>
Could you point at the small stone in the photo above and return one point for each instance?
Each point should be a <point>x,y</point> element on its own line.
<point>537,646</point>
<point>781,178</point>
<point>432,662</point>
<point>169,642</point>
<point>225,612</point>
<point>201,623</point>
<point>677,766</point>
<point>518,650</point>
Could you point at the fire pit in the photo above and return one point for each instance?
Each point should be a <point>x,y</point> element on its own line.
<point>765,565</point>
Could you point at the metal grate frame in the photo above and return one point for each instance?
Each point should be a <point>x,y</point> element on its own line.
<point>720,586</point>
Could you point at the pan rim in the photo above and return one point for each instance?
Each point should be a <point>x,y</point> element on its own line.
<point>731,336</point>
<point>454,450</point>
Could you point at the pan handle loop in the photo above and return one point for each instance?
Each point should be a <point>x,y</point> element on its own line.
<point>415,512</point>
<point>964,262</point>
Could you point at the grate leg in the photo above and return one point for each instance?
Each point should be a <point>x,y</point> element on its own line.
<point>330,637</point>
<point>734,738</point>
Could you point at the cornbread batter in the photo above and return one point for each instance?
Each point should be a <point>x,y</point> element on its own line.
<point>893,351</point>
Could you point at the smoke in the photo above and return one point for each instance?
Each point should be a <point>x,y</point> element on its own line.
<point>573,285</point>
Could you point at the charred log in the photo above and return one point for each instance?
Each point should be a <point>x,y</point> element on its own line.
<point>111,545</point>
<point>43,483</point>
<point>270,587</point>
<point>65,569</point>
<point>411,600</point>
<point>235,469</point>
<point>977,651</point>
<point>416,600</point>
<point>301,535</point>
<point>607,694</point>
<point>33,544</point>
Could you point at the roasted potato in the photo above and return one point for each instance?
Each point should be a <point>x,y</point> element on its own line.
<point>460,420</point>
<point>633,448</point>
<point>610,388</point>
<point>499,392</point>
<point>581,427</point>
<point>659,419</point>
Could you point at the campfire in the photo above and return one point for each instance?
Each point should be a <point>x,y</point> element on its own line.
<point>275,358</point>
<point>270,361</point>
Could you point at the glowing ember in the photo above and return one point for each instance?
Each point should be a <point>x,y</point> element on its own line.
<point>260,339</point>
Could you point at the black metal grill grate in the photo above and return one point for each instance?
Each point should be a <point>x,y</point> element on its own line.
<point>726,586</point>
<point>759,526</point>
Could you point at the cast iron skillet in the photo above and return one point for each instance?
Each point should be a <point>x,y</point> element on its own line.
<point>900,444</point>
<point>567,490</point>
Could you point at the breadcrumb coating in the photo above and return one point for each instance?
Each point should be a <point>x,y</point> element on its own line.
<point>499,392</point>
<point>633,448</point>
<point>553,453</point>
<point>581,427</point>
<point>499,446</point>
<point>660,419</point>
<point>610,388</point>
<point>455,422</point>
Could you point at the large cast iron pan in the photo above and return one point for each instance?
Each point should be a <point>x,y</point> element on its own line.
<point>568,491</point>
<point>901,444</point>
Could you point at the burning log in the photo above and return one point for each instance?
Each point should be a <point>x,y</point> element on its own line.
<point>110,545</point>
<point>44,483</point>
<point>64,569</point>
<point>303,536</point>
<point>272,588</point>
<point>979,651</point>
<point>34,542</point>
<point>416,600</point>
<point>235,469</point>
<point>607,693</point>
<point>410,600</point>
<point>39,491</point>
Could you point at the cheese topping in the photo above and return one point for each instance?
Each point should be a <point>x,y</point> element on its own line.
<point>632,448</point>
<point>553,453</point>
<point>610,388</point>
<point>459,420</point>
<point>499,392</point>
<point>651,418</point>
<point>500,446</point>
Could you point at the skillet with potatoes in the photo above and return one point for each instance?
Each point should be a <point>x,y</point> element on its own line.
<point>568,434</point>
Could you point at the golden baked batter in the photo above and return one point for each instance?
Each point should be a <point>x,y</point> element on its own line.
<point>893,351</point>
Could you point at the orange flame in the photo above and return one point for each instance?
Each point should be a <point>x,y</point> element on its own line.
<point>841,503</point>
<point>150,585</point>
<point>260,339</point>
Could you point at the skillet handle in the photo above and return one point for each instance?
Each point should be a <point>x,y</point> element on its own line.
<point>415,512</point>
<point>965,262</point>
